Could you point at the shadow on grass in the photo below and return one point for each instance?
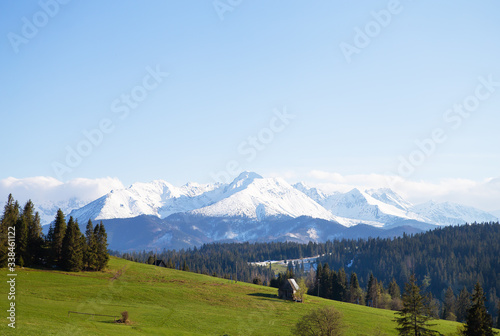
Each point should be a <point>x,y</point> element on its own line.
<point>265,296</point>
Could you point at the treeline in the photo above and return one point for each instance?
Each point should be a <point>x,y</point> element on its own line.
<point>447,261</point>
<point>229,260</point>
<point>65,246</point>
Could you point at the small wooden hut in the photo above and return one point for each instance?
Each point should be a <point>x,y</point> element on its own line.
<point>288,290</point>
<point>159,262</point>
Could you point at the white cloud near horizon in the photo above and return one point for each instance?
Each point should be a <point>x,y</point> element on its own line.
<point>42,188</point>
<point>484,195</point>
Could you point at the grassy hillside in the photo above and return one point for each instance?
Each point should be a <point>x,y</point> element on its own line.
<point>166,302</point>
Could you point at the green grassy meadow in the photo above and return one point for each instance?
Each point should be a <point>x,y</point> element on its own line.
<point>166,302</point>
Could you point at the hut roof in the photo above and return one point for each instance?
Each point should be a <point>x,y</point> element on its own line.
<point>293,283</point>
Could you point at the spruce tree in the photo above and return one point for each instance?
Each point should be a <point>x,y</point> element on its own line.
<point>449,306</point>
<point>9,221</point>
<point>413,320</point>
<point>72,249</point>
<point>394,290</point>
<point>462,305</point>
<point>25,217</point>
<point>372,292</point>
<point>90,253</point>
<point>355,291</point>
<point>35,240</point>
<point>57,238</point>
<point>478,321</point>
<point>102,247</point>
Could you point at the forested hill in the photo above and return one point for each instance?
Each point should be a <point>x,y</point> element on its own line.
<point>454,256</point>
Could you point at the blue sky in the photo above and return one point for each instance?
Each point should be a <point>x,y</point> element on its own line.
<point>228,77</point>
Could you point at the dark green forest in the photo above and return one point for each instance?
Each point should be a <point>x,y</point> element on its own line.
<point>447,263</point>
<point>65,246</point>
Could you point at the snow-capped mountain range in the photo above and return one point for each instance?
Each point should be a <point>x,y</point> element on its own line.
<point>253,208</point>
<point>251,196</point>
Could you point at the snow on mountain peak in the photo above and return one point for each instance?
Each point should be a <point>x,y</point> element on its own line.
<point>256,197</point>
<point>243,180</point>
<point>251,196</point>
<point>448,213</point>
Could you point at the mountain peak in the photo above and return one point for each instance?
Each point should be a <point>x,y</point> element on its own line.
<point>243,180</point>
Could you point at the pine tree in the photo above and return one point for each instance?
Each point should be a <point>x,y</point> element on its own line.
<point>372,292</point>
<point>25,217</point>
<point>35,240</point>
<point>90,251</point>
<point>355,292</point>
<point>449,306</point>
<point>102,247</point>
<point>462,305</point>
<point>9,220</point>
<point>57,238</point>
<point>394,290</point>
<point>413,320</point>
<point>478,321</point>
<point>72,249</point>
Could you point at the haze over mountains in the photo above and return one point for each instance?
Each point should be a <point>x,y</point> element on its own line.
<point>253,208</point>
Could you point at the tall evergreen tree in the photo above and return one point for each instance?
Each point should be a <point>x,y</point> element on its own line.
<point>449,310</point>
<point>463,305</point>
<point>35,240</point>
<point>339,286</point>
<point>102,247</point>
<point>478,322</point>
<point>413,320</point>
<point>372,292</point>
<point>90,253</point>
<point>9,220</point>
<point>22,224</point>
<point>57,238</point>
<point>355,291</point>
<point>72,249</point>
<point>394,290</point>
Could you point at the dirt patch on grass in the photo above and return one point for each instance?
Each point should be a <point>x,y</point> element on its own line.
<point>118,274</point>
<point>177,280</point>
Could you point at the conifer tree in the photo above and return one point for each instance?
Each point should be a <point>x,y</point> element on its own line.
<point>90,250</point>
<point>355,291</point>
<point>413,320</point>
<point>102,247</point>
<point>57,238</point>
<point>478,321</point>
<point>339,286</point>
<point>35,240</point>
<point>72,249</point>
<point>9,220</point>
<point>462,305</point>
<point>394,290</point>
<point>372,292</point>
<point>449,306</point>
<point>22,224</point>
